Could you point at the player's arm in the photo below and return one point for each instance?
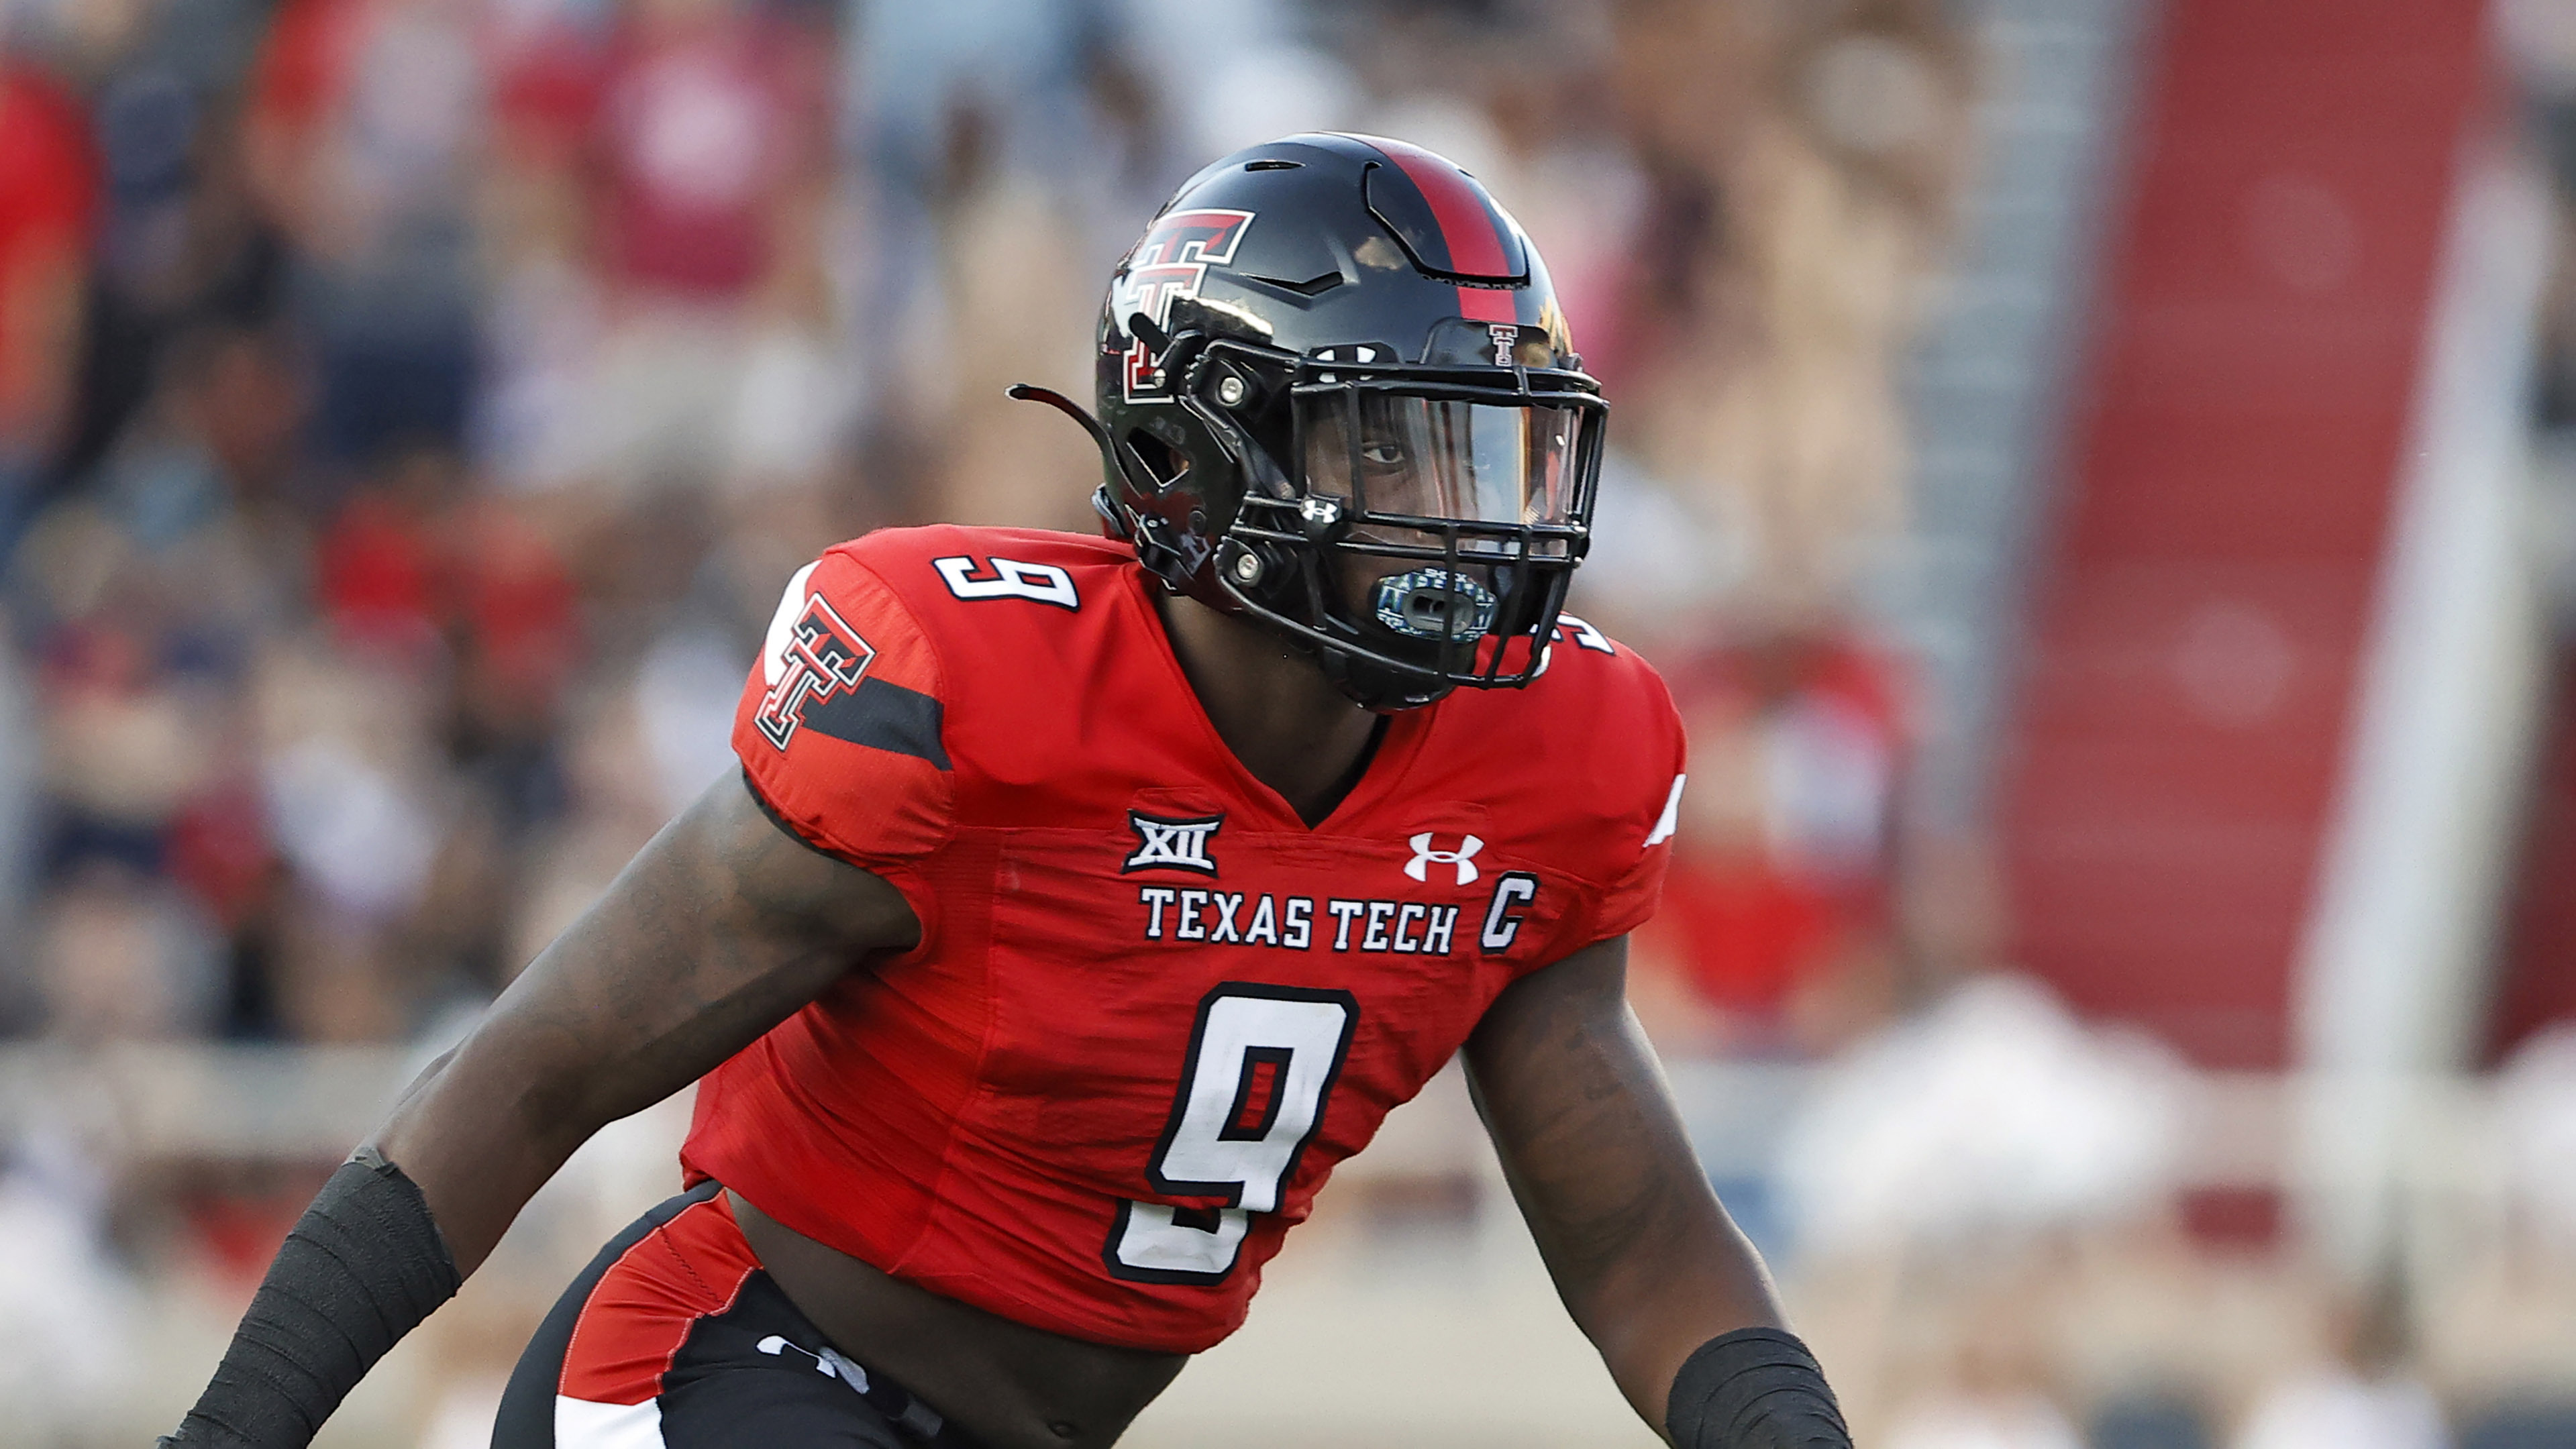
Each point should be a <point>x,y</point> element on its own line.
<point>721,927</point>
<point>1645,1258</point>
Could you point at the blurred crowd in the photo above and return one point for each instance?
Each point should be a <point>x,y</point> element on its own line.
<point>410,409</point>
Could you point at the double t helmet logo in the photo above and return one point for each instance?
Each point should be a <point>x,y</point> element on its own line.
<point>1171,262</point>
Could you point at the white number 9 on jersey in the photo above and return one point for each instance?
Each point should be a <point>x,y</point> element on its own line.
<point>1262,1059</point>
<point>1010,579</point>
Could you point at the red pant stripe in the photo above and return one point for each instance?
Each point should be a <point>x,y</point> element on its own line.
<point>641,1312</point>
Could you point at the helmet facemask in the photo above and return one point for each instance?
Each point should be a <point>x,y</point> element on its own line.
<point>1413,525</point>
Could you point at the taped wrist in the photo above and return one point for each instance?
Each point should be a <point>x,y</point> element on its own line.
<point>1755,1388</point>
<point>360,1269</point>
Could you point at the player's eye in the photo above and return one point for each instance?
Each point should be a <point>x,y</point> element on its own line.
<point>1382,454</point>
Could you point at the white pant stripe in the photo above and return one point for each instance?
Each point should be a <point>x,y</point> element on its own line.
<point>581,1424</point>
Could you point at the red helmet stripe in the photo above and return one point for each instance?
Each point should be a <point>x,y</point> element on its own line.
<point>1488,304</point>
<point>1473,233</point>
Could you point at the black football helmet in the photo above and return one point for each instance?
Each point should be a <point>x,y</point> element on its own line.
<point>1336,395</point>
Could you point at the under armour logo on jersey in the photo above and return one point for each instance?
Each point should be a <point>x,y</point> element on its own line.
<point>1172,844</point>
<point>1424,857</point>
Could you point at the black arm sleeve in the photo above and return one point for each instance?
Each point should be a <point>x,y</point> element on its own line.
<point>360,1269</point>
<point>1755,1388</point>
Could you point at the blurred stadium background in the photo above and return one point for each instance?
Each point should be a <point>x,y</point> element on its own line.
<point>2100,475</point>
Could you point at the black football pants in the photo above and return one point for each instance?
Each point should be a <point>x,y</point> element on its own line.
<point>675,1338</point>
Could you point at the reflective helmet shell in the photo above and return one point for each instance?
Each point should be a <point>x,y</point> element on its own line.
<point>1276,276</point>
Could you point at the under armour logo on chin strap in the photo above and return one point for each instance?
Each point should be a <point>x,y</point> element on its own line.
<point>1464,857</point>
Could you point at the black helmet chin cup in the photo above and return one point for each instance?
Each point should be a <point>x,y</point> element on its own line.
<point>1370,684</point>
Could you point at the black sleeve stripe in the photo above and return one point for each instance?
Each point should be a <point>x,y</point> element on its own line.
<point>882,716</point>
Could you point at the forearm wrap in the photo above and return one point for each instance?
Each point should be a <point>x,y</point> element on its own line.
<point>360,1269</point>
<point>1755,1388</point>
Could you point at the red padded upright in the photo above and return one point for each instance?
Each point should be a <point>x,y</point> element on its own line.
<point>2539,982</point>
<point>2203,603</point>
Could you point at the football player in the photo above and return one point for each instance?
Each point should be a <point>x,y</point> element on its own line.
<point>1081,902</point>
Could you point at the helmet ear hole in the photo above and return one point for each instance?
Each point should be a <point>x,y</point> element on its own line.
<point>1167,463</point>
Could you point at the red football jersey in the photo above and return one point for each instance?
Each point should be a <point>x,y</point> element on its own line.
<point>1151,1008</point>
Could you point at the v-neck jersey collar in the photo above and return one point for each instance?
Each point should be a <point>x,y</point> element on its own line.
<point>1397,750</point>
